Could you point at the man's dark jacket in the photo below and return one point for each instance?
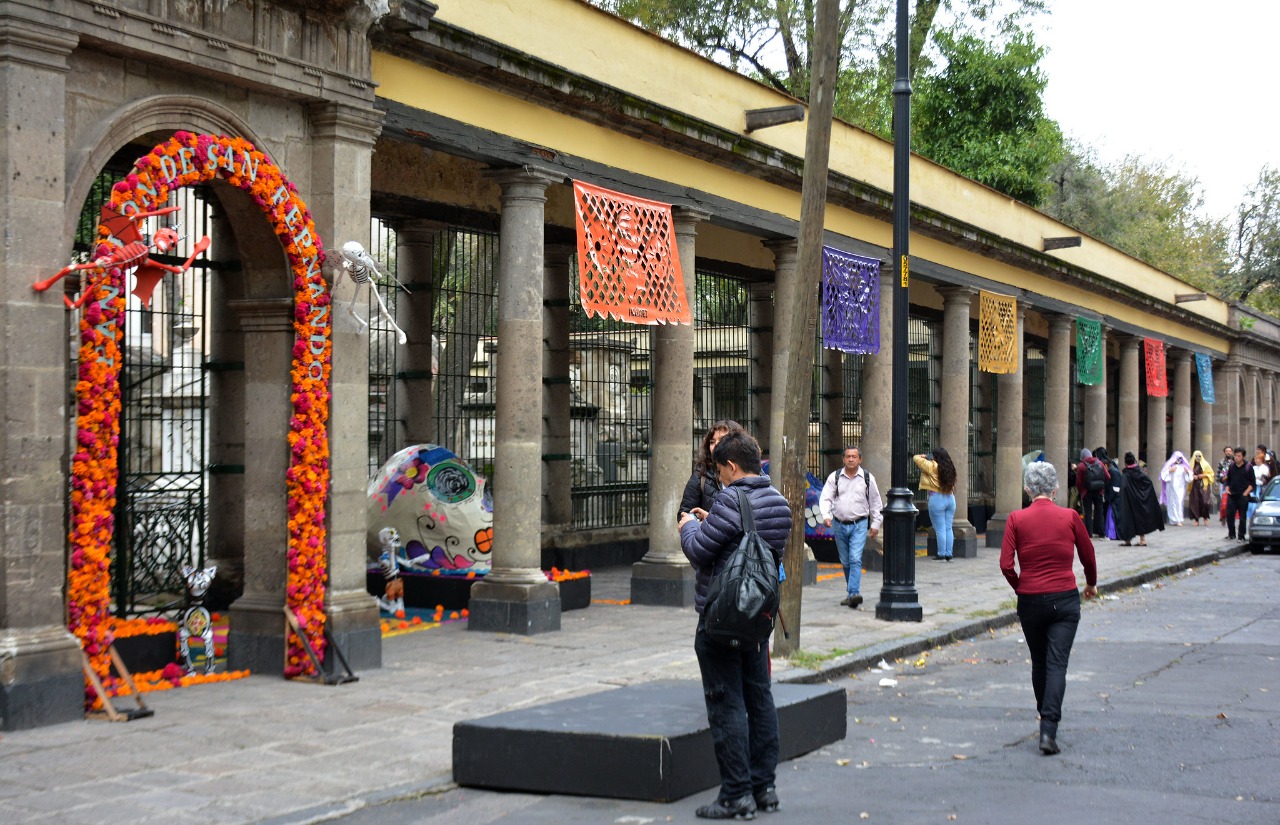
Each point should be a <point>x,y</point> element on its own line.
<point>709,544</point>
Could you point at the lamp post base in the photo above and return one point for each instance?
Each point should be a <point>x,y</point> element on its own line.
<point>899,600</point>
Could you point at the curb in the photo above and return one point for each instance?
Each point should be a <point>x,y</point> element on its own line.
<point>911,645</point>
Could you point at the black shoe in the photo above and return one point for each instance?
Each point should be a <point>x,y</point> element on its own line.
<point>854,601</point>
<point>1230,537</point>
<point>947,559</point>
<point>846,601</point>
<point>1048,745</point>
<point>744,807</point>
<point>767,800</point>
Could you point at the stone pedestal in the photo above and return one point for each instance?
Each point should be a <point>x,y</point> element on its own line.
<point>523,608</point>
<point>664,576</point>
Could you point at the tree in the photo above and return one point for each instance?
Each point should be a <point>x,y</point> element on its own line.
<point>982,114</point>
<point>771,41</point>
<point>1144,209</point>
<point>1255,245</point>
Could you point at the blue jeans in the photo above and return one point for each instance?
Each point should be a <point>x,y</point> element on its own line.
<point>1049,622</point>
<point>741,713</point>
<point>942,513</point>
<point>850,539</point>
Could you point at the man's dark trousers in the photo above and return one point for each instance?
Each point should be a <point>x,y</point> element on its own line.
<point>1237,503</point>
<point>744,721</point>
<point>1094,513</point>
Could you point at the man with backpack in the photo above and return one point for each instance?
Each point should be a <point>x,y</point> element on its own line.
<point>735,676</point>
<point>1092,480</point>
<point>851,499</point>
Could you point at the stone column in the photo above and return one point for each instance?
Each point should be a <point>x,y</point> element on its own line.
<point>1158,449</point>
<point>663,576</point>
<point>1057,401</point>
<point>256,637</point>
<point>1250,413</point>
<point>832,417</point>
<point>876,442</point>
<point>515,597</point>
<point>1226,411</point>
<point>40,678</point>
<point>1127,417</point>
<point>1009,441</point>
<point>415,268</point>
<point>1182,404</point>
<point>954,423</point>
<point>784,275</point>
<point>760,321</point>
<point>341,143</point>
<point>557,445</point>
<point>1204,434</point>
<point>1095,406</point>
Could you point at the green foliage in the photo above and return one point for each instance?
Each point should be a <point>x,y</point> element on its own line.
<point>982,114</point>
<point>1255,245</point>
<point>1144,209</point>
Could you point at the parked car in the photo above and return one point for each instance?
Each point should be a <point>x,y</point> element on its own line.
<point>1264,526</point>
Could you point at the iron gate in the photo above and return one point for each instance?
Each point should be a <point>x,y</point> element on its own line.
<point>163,449</point>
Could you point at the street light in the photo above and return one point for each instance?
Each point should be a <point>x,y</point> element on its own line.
<point>899,601</point>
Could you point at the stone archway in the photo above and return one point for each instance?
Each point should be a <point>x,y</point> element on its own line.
<point>184,160</point>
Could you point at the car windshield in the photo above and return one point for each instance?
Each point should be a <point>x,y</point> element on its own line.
<point>1271,492</point>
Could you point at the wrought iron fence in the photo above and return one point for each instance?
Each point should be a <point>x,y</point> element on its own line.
<point>161,518</point>
<point>385,427</point>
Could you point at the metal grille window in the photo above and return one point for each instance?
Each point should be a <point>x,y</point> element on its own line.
<point>161,519</point>
<point>385,428</point>
<point>721,366</point>
<point>610,375</point>
<point>1075,430</point>
<point>1034,383</point>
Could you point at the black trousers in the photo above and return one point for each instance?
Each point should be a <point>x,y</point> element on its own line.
<point>1049,622</point>
<point>1095,512</point>
<point>1237,504</point>
<point>740,710</point>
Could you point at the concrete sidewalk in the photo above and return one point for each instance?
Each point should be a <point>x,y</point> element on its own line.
<point>265,750</point>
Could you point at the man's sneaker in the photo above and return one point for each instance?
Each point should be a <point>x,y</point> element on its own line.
<point>854,601</point>
<point>767,799</point>
<point>744,807</point>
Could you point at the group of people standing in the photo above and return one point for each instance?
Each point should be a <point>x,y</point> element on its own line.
<point>1242,485</point>
<point>1117,502</point>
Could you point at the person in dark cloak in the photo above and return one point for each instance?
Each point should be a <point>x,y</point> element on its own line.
<point>1110,492</point>
<point>1138,510</point>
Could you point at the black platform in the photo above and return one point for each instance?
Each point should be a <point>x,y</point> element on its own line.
<point>648,741</point>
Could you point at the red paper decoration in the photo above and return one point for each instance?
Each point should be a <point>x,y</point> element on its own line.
<point>628,268</point>
<point>1157,382</point>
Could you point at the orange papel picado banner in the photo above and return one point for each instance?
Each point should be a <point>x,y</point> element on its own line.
<point>997,333</point>
<point>628,266</point>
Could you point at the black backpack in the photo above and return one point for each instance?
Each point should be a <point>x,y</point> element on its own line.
<point>1095,476</point>
<point>742,599</point>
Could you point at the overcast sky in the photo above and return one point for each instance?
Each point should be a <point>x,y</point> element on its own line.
<point>1192,84</point>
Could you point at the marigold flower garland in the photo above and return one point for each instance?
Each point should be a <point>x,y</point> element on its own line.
<point>184,160</point>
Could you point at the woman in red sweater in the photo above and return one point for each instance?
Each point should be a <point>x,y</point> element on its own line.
<point>1043,540</point>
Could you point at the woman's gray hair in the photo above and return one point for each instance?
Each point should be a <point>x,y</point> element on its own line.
<point>1040,479</point>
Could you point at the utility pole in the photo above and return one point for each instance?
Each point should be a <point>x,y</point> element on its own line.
<point>899,600</point>
<point>799,344</point>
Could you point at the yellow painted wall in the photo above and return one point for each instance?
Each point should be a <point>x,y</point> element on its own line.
<point>681,80</point>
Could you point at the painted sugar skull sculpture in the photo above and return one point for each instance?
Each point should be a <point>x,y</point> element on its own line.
<point>439,507</point>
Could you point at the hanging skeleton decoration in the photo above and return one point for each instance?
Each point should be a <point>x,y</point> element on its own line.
<point>363,270</point>
<point>195,632</point>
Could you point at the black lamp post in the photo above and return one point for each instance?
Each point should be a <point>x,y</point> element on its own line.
<point>899,600</point>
